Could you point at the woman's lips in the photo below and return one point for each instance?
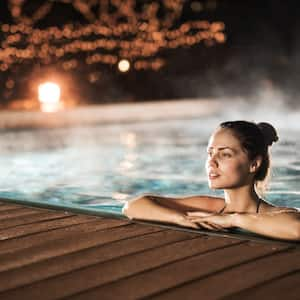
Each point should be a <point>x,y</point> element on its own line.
<point>213,176</point>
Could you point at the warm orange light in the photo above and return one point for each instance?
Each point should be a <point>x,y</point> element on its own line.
<point>105,37</point>
<point>124,65</point>
<point>49,96</point>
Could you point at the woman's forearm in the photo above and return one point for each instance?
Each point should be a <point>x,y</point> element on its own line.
<point>146,208</point>
<point>276,225</point>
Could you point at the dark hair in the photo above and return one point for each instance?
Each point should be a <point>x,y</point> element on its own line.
<point>255,139</point>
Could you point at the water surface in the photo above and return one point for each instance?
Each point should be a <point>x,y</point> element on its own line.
<point>101,167</point>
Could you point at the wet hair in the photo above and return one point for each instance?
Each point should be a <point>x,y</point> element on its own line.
<point>255,139</point>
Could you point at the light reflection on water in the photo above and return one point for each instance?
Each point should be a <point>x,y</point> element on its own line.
<point>106,165</point>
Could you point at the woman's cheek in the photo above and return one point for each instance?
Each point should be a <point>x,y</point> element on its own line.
<point>235,171</point>
<point>241,172</point>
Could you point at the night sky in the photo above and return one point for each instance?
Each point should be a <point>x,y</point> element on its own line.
<point>261,52</point>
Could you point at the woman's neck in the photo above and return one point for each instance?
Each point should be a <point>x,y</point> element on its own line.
<point>242,199</point>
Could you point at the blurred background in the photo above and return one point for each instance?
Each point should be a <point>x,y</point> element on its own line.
<point>112,51</point>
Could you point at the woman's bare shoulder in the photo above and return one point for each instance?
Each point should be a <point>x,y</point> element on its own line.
<point>268,207</point>
<point>286,209</point>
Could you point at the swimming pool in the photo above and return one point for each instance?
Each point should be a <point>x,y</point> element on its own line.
<point>98,168</point>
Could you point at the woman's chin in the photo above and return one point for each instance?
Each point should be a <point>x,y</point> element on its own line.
<point>214,185</point>
<point>220,186</point>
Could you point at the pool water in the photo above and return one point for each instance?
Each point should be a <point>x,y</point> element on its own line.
<point>99,168</point>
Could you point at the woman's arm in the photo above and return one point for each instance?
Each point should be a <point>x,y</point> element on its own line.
<point>146,208</point>
<point>165,209</point>
<point>282,225</point>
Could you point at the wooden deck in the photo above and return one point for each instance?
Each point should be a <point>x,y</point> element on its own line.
<point>50,254</point>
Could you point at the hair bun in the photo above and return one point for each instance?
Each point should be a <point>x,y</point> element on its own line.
<point>269,133</point>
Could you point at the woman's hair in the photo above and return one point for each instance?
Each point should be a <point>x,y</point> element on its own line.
<point>255,139</point>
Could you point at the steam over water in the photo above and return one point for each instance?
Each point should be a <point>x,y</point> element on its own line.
<point>107,164</point>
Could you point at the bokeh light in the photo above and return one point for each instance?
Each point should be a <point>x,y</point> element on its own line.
<point>103,39</point>
<point>49,96</point>
<point>109,36</point>
<point>124,65</point>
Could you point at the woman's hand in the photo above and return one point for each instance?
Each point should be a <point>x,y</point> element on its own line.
<point>183,220</point>
<point>212,221</point>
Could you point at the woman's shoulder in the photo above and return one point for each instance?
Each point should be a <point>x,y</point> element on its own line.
<point>268,207</point>
<point>285,209</point>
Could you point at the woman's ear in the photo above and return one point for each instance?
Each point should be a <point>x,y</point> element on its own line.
<point>255,164</point>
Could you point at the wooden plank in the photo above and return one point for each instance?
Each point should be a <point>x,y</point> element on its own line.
<point>9,206</point>
<point>67,230</point>
<point>21,230</point>
<point>17,212</point>
<point>169,276</point>
<point>66,263</point>
<point>84,257</point>
<point>244,275</point>
<point>113,270</point>
<point>72,244</point>
<point>283,287</point>
<point>33,218</point>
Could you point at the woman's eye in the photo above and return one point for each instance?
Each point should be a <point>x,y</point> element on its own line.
<point>226,154</point>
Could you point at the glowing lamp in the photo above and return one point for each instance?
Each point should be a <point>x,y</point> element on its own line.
<point>124,65</point>
<point>49,96</point>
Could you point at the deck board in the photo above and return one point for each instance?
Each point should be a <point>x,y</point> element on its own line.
<point>201,265</point>
<point>112,270</point>
<point>87,257</point>
<point>6,206</point>
<point>252,272</point>
<point>64,246</point>
<point>50,254</point>
<point>17,212</point>
<point>31,219</point>
<point>283,287</point>
<point>63,232</point>
<point>49,222</point>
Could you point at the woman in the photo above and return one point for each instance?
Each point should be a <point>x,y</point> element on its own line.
<point>238,162</point>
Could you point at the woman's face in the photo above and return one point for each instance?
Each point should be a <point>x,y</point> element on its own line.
<point>227,164</point>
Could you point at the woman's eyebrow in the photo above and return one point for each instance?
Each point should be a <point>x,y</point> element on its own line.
<point>220,148</point>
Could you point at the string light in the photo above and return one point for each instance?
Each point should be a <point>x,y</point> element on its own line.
<point>139,37</point>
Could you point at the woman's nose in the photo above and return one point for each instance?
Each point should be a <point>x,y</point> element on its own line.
<point>212,161</point>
